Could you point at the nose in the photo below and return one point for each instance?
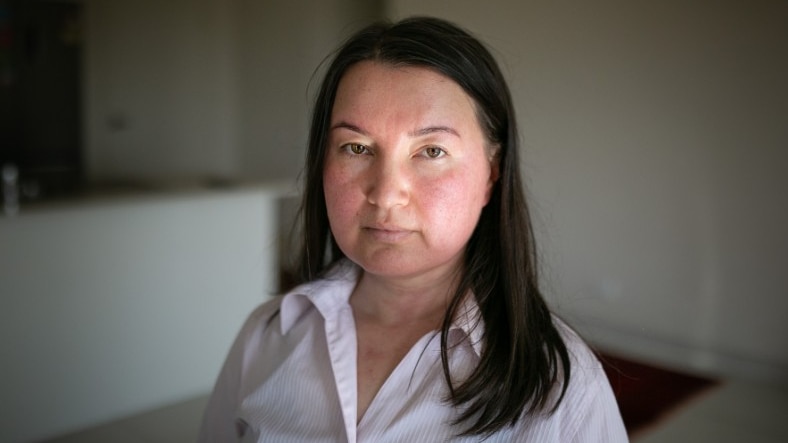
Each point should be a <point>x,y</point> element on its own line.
<point>389,185</point>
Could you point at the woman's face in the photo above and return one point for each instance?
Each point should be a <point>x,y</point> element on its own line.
<point>407,170</point>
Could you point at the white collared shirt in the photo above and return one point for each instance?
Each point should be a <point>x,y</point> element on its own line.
<point>290,376</point>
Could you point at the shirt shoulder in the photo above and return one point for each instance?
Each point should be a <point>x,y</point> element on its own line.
<point>260,317</point>
<point>589,411</point>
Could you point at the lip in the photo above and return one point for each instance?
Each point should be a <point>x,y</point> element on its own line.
<point>387,234</point>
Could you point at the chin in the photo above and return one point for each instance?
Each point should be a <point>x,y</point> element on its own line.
<point>389,267</point>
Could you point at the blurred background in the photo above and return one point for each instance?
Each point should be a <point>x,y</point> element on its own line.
<point>151,150</point>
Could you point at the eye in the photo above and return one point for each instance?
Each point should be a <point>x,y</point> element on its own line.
<point>434,152</point>
<point>355,148</point>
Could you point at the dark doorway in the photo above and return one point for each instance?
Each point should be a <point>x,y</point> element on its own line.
<point>40,94</point>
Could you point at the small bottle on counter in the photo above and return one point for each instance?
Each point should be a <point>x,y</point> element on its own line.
<point>10,184</point>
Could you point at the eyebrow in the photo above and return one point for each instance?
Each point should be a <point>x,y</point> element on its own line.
<point>351,127</point>
<point>433,129</point>
<point>417,133</point>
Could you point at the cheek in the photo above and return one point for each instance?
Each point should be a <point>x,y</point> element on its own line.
<point>455,203</point>
<point>338,194</point>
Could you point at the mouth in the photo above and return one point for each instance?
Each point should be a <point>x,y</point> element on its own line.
<point>387,234</point>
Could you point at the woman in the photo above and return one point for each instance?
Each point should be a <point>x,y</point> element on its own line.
<point>419,316</point>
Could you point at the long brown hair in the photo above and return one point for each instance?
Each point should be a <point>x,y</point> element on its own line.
<point>524,357</point>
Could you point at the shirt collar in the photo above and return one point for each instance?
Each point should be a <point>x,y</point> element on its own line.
<point>469,320</point>
<point>328,294</point>
<point>332,293</point>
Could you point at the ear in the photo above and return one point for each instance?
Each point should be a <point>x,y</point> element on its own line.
<point>495,171</point>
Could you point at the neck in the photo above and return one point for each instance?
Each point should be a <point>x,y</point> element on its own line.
<point>400,302</point>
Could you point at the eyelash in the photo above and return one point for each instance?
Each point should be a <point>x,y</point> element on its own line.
<point>352,148</point>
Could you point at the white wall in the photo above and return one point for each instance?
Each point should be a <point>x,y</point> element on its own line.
<point>113,308</point>
<point>655,140</point>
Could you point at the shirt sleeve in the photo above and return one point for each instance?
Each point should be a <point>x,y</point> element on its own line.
<point>588,412</point>
<point>590,405</point>
<point>600,419</point>
<point>220,419</point>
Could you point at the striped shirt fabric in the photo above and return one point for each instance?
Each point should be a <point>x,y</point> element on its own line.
<point>290,376</point>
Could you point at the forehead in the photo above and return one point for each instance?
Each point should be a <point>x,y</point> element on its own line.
<point>371,89</point>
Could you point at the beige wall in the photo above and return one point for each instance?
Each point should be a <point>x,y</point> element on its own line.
<point>184,90</point>
<point>655,138</point>
<point>160,90</point>
<point>280,45</point>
